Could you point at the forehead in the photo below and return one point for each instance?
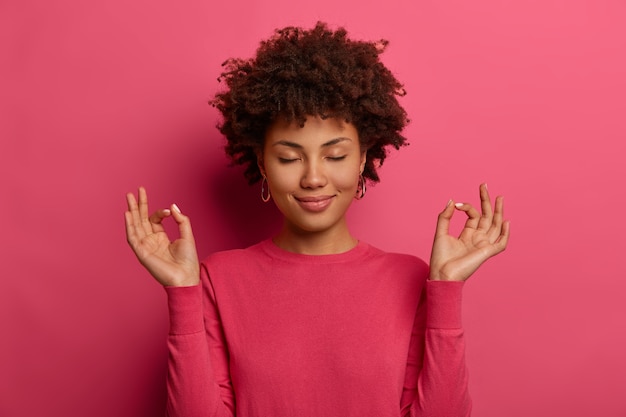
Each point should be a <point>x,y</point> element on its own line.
<point>316,131</point>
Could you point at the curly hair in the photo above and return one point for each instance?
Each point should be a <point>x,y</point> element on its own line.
<point>316,72</point>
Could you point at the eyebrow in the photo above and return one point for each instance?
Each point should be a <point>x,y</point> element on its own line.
<point>324,145</point>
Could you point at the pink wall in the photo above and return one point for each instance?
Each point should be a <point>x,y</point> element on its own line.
<point>100,97</point>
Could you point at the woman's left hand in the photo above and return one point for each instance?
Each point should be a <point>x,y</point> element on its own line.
<point>483,236</point>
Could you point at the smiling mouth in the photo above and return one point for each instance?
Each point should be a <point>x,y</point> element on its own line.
<point>315,204</point>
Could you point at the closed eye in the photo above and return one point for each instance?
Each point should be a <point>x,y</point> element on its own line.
<point>287,160</point>
<point>336,158</point>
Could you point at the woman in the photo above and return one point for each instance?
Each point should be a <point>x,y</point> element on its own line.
<point>314,322</point>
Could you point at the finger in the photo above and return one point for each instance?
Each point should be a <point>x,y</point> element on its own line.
<point>143,211</point>
<point>485,206</point>
<point>131,202</point>
<point>443,220</point>
<point>184,224</point>
<point>133,219</point>
<point>156,219</point>
<point>143,203</point>
<point>131,233</point>
<point>473,216</point>
<point>503,240</point>
<point>498,217</point>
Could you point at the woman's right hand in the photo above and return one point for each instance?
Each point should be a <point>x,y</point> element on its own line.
<point>171,263</point>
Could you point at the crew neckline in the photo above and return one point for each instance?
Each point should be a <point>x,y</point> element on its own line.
<point>274,251</point>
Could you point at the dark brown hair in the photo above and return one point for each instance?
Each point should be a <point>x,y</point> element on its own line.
<point>317,72</point>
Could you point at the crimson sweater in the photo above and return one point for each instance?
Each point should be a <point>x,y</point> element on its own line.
<point>270,333</point>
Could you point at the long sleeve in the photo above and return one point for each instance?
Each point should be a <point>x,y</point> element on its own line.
<point>361,333</point>
<point>198,383</point>
<point>436,382</point>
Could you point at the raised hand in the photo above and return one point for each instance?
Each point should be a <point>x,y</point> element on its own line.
<point>483,236</point>
<point>171,263</point>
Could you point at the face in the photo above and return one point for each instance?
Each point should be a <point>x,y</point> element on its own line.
<point>313,172</point>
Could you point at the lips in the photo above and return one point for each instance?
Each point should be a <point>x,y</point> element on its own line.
<point>315,203</point>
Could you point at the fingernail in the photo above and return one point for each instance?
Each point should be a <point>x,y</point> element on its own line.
<point>449,202</point>
<point>166,211</point>
<point>486,188</point>
<point>175,207</point>
<point>458,205</point>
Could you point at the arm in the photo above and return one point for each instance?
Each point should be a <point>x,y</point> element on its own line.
<point>198,382</point>
<point>436,381</point>
<point>192,389</point>
<point>436,363</point>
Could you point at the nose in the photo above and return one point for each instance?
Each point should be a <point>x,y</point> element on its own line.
<point>313,175</point>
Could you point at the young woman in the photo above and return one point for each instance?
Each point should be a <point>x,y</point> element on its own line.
<point>314,322</point>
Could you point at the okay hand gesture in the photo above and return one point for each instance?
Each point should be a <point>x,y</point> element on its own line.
<point>483,236</point>
<point>171,263</point>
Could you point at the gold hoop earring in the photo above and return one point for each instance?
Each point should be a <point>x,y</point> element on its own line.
<point>264,197</point>
<point>361,188</point>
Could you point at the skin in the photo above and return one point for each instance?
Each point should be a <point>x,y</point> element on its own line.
<point>485,234</point>
<point>313,175</point>
<point>170,263</point>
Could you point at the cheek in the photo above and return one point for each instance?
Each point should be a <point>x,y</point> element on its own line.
<point>282,180</point>
<point>346,179</point>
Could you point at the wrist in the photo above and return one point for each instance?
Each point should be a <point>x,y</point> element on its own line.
<point>438,276</point>
<point>186,282</point>
<point>183,280</point>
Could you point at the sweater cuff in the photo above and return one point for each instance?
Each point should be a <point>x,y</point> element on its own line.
<point>444,304</point>
<point>185,307</point>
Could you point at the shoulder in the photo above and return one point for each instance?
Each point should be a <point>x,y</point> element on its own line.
<point>397,262</point>
<point>235,257</point>
<point>403,259</point>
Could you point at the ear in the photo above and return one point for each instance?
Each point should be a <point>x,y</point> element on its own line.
<point>363,160</point>
<point>259,161</point>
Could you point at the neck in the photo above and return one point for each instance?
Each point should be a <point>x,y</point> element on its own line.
<point>328,242</point>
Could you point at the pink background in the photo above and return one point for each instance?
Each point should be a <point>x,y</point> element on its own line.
<point>98,98</point>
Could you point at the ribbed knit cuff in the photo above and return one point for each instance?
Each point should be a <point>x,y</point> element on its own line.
<point>185,307</point>
<point>444,304</point>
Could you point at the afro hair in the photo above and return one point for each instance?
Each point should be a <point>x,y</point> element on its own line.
<point>317,72</point>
